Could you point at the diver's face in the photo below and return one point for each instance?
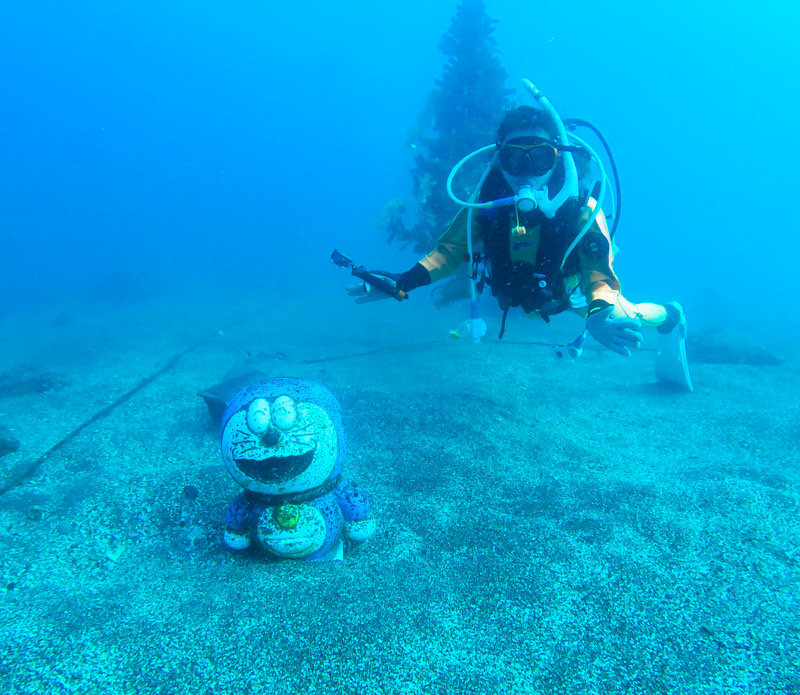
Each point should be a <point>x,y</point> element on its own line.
<point>527,158</point>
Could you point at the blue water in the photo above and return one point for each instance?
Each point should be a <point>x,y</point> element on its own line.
<point>150,148</point>
<point>174,143</point>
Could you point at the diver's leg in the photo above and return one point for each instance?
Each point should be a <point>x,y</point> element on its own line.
<point>670,322</point>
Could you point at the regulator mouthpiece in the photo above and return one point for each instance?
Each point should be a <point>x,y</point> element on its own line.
<point>525,199</point>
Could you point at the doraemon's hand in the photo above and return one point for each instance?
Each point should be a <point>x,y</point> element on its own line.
<point>237,540</point>
<point>620,335</point>
<point>359,522</point>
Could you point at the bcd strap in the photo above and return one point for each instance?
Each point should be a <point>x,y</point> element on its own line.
<point>503,324</point>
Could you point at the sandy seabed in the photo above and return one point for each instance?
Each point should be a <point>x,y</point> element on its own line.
<point>543,526</point>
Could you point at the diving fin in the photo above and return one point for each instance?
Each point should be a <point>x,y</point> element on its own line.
<point>671,363</point>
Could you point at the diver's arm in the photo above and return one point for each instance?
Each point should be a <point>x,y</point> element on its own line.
<point>599,283</point>
<point>601,288</point>
<point>411,279</point>
<point>449,254</point>
<point>380,284</point>
<point>451,247</point>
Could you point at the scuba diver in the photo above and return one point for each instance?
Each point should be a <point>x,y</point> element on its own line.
<point>544,252</point>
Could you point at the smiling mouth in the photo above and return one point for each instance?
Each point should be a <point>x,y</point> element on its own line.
<point>275,467</point>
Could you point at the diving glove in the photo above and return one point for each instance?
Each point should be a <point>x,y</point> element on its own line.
<point>386,285</point>
<point>620,335</point>
<point>368,292</point>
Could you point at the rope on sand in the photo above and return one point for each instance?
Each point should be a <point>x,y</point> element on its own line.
<point>23,470</point>
<point>19,473</point>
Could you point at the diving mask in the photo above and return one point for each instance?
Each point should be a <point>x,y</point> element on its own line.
<point>527,155</point>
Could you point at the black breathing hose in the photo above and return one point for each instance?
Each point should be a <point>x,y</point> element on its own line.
<point>573,123</point>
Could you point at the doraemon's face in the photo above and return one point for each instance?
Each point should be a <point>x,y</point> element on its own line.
<point>280,446</point>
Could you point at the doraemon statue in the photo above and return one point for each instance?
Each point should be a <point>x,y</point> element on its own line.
<point>284,442</point>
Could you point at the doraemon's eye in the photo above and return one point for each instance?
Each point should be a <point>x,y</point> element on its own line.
<point>283,412</point>
<point>258,416</point>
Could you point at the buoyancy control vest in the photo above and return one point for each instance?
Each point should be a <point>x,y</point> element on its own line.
<point>538,283</point>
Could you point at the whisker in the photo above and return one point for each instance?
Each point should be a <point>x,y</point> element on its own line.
<point>306,442</point>
<point>303,430</point>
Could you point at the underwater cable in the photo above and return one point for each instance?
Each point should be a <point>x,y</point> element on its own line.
<point>19,473</point>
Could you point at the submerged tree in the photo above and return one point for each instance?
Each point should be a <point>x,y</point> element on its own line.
<point>462,114</point>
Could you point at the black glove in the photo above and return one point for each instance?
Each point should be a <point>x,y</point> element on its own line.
<point>399,284</point>
<point>367,292</point>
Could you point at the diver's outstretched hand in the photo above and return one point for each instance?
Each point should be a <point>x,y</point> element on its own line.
<point>620,335</point>
<point>366,292</point>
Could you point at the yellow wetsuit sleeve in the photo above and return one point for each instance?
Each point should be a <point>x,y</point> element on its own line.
<point>451,247</point>
<point>599,280</point>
